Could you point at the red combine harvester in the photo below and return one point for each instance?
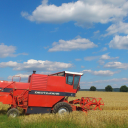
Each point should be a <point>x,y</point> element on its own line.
<point>46,94</point>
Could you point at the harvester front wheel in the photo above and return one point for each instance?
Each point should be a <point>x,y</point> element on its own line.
<point>62,107</point>
<point>13,112</point>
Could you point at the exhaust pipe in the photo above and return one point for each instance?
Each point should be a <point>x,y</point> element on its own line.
<point>34,72</point>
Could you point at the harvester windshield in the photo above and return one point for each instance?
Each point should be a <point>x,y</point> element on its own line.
<point>69,80</point>
<point>76,81</point>
<point>73,78</point>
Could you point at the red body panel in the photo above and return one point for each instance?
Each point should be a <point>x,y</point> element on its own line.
<point>52,84</point>
<point>10,90</point>
<point>38,82</point>
<point>56,83</point>
<point>20,85</point>
<point>43,100</point>
<point>5,98</point>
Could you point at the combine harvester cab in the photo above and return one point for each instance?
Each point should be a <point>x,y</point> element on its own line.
<point>46,94</point>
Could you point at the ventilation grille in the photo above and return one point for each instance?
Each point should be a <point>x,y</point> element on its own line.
<point>39,82</point>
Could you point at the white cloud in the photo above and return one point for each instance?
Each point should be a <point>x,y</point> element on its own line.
<point>83,12</point>
<point>8,64</point>
<point>119,42</point>
<point>38,65</point>
<point>116,65</point>
<point>101,58</point>
<point>75,44</point>
<point>106,57</point>
<point>119,27</point>
<point>8,51</point>
<point>100,72</point>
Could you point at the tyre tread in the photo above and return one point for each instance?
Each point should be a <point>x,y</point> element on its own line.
<point>61,104</point>
<point>13,109</point>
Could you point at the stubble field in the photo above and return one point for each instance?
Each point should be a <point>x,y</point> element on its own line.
<point>113,115</point>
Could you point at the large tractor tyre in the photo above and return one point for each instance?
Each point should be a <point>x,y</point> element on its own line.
<point>62,107</point>
<point>13,112</point>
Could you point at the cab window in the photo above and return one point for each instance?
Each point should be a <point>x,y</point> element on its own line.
<point>69,79</point>
<point>76,81</point>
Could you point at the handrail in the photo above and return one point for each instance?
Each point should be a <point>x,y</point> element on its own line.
<point>16,76</point>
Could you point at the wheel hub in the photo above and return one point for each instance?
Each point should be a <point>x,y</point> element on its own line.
<point>62,111</point>
<point>13,114</point>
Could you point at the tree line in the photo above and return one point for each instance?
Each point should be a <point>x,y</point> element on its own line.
<point>109,88</point>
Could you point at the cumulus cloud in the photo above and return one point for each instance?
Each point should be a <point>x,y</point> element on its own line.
<point>82,12</point>
<point>38,65</point>
<point>101,58</point>
<point>116,65</point>
<point>100,72</point>
<point>8,51</point>
<point>119,42</point>
<point>75,44</point>
<point>107,57</point>
<point>117,28</point>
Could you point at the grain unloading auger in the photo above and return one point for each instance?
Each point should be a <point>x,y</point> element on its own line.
<point>46,94</point>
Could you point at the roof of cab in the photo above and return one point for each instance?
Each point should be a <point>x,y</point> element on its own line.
<point>67,72</point>
<point>76,73</point>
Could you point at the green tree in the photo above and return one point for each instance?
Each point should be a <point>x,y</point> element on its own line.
<point>123,88</point>
<point>92,88</point>
<point>108,88</point>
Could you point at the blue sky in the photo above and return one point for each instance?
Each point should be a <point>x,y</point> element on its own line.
<point>80,36</point>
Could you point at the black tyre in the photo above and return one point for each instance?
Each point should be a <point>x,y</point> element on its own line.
<point>13,112</point>
<point>62,107</point>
